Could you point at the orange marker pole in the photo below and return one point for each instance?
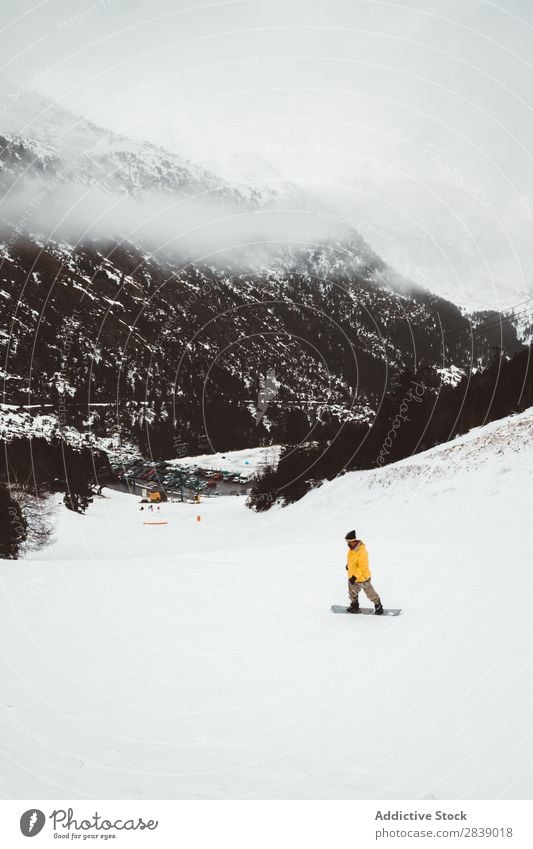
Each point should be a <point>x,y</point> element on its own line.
<point>198,518</point>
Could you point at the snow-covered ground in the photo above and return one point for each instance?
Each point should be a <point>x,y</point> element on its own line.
<point>199,659</point>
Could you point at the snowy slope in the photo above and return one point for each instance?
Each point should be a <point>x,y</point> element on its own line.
<point>258,178</point>
<point>200,659</point>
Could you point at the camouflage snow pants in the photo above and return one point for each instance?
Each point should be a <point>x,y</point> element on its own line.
<point>355,589</point>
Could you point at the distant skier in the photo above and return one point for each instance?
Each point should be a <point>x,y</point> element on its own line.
<point>359,575</point>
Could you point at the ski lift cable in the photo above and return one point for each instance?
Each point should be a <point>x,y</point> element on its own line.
<point>509,315</point>
<point>503,322</point>
<point>493,322</point>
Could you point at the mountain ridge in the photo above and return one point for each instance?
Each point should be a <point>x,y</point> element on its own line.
<point>182,343</point>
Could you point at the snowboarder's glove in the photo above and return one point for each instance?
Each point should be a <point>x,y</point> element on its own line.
<point>346,567</point>
<point>351,580</point>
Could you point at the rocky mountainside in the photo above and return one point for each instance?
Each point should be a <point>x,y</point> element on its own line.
<point>128,335</point>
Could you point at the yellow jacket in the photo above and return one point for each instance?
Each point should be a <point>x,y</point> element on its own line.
<point>357,563</point>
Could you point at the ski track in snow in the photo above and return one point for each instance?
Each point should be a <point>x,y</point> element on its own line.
<point>201,659</point>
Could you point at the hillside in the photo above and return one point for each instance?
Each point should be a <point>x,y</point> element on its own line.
<point>189,661</point>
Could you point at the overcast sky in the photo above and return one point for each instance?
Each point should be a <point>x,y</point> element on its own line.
<point>413,119</point>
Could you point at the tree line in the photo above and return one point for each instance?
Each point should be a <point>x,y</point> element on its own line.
<point>40,467</point>
<point>416,413</point>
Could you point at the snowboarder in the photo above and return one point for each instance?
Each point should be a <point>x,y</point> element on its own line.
<point>359,575</point>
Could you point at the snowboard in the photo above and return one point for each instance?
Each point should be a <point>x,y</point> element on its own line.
<point>367,611</point>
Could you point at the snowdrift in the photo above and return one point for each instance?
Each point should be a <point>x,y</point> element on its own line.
<point>199,659</point>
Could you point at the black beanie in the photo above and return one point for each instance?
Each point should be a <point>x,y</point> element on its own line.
<point>351,535</point>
